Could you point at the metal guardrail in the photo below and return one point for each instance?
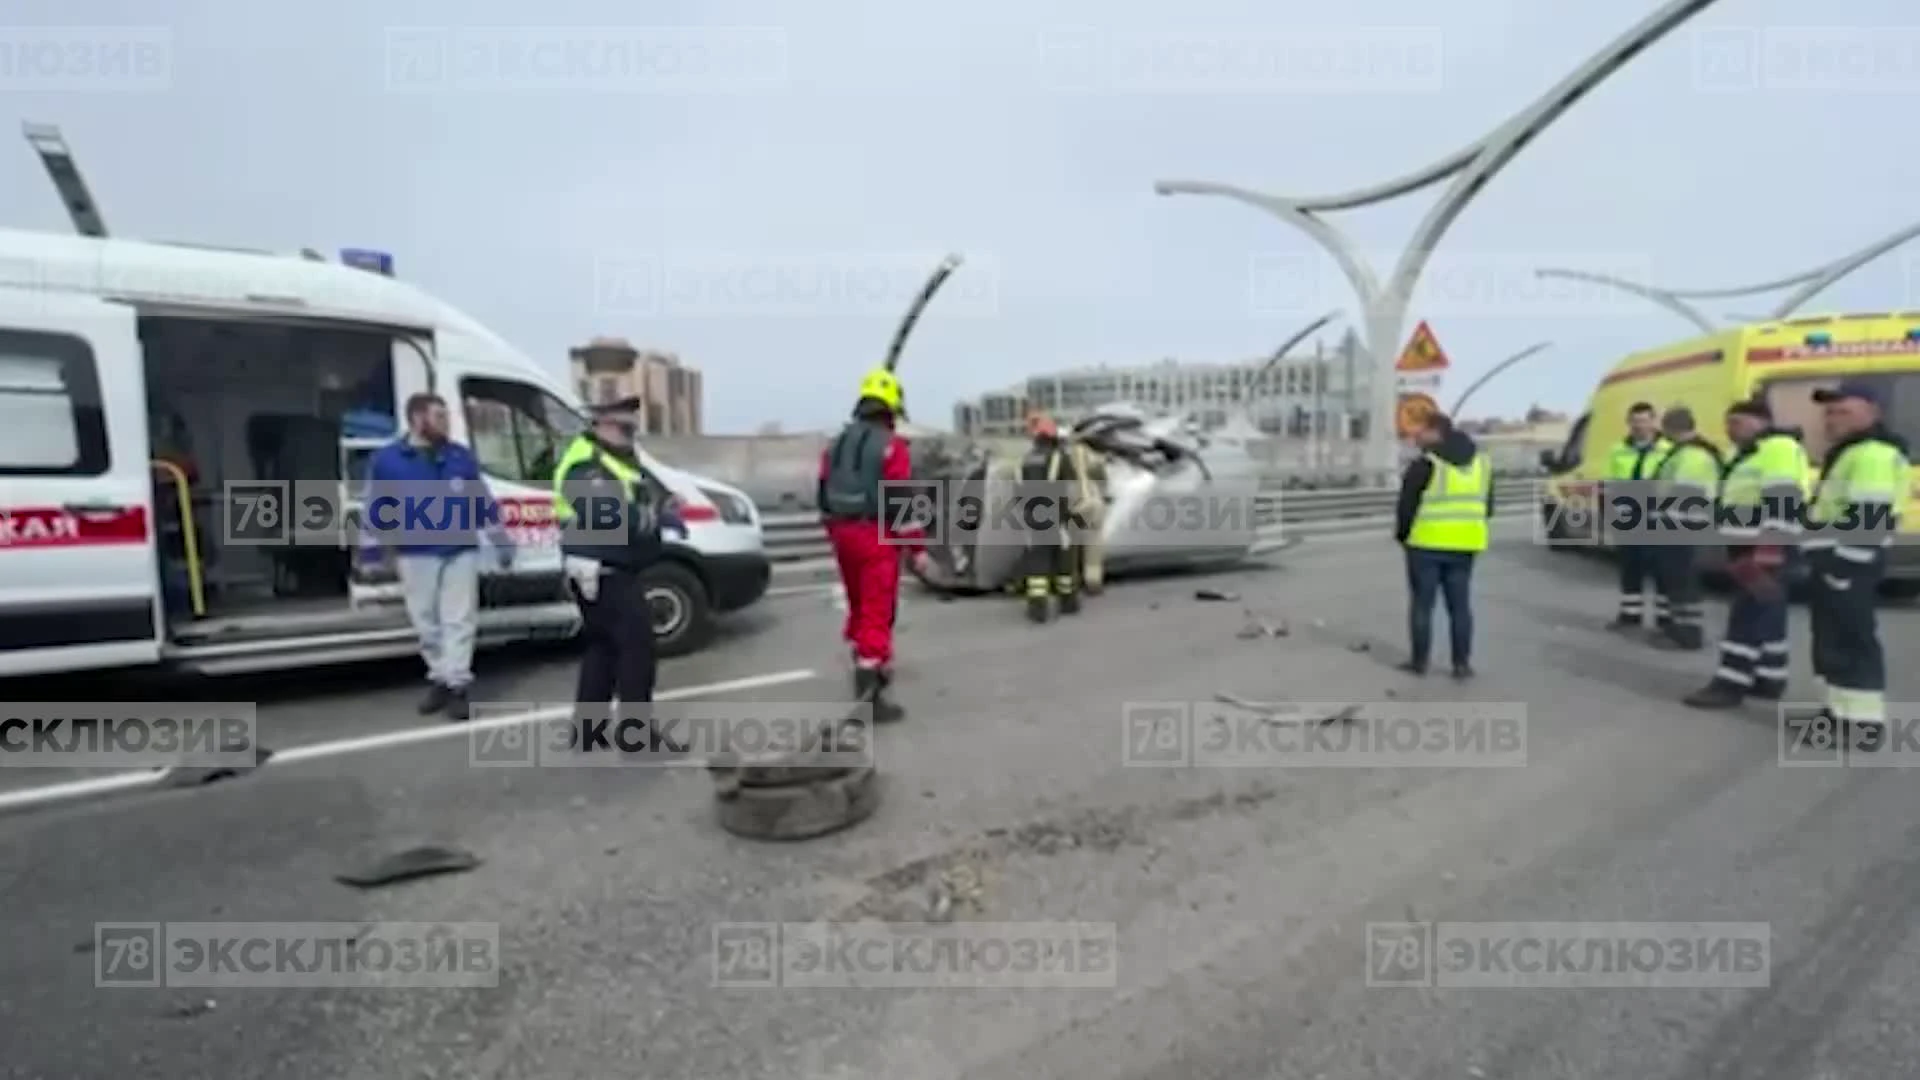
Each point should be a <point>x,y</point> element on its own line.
<point>793,538</point>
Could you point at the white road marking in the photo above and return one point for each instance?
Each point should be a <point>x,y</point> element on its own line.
<point>50,793</point>
<point>802,590</point>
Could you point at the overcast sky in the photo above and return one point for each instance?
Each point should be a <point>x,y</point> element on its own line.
<point>761,189</point>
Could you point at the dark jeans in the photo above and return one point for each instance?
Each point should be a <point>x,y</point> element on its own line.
<point>1430,575</point>
<point>619,657</point>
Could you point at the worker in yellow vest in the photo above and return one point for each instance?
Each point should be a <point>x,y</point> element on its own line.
<point>610,524</point>
<point>1630,469</point>
<point>1446,499</point>
<point>1853,515</point>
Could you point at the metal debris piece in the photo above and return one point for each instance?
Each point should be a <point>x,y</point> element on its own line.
<point>190,1009</point>
<point>1271,708</point>
<point>1258,627</point>
<point>426,861</point>
<point>1215,594</point>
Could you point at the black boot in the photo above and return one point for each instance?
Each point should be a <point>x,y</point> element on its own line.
<point>870,689</point>
<point>1715,695</point>
<point>1070,603</point>
<point>1039,609</point>
<point>435,700</point>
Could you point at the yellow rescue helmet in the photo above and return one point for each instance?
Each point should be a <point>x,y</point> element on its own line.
<point>882,386</point>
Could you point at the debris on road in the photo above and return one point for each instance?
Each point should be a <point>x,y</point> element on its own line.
<point>427,861</point>
<point>189,1010</point>
<point>1343,715</point>
<point>1360,646</point>
<point>194,776</point>
<point>1216,594</point>
<point>824,785</point>
<point>1258,627</point>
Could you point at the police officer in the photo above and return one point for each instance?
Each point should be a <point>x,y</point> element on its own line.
<point>1631,463</point>
<point>1854,512</point>
<point>611,523</point>
<point>1759,513</point>
<point>1686,481</point>
<point>1046,513</point>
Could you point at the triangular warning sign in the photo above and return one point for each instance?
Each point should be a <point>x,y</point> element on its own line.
<point>1423,352</point>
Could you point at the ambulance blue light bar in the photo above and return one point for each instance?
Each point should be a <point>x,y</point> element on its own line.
<point>380,262</point>
<point>1914,334</point>
<point>1819,338</point>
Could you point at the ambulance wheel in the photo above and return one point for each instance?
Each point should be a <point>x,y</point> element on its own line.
<point>677,602</point>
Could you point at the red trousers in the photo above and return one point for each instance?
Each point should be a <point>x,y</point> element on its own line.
<point>870,573</point>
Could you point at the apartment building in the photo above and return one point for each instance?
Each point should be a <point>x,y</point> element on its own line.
<point>608,369</point>
<point>1325,391</point>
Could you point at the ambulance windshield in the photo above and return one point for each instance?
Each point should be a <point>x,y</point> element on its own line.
<point>1793,406</point>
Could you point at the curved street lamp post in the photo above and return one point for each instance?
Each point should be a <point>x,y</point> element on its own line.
<point>1805,286</point>
<point>1385,307</point>
<point>1461,402</point>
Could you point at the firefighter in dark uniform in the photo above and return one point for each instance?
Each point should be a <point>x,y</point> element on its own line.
<point>1853,514</point>
<point>1688,475</point>
<point>1046,513</point>
<point>610,531</point>
<point>1762,496</point>
<point>1630,465</point>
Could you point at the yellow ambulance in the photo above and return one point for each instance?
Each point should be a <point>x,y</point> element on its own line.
<point>1781,363</point>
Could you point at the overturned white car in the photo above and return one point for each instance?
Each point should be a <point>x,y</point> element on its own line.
<point>1174,497</point>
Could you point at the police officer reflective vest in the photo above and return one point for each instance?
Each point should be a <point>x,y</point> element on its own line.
<point>1763,491</point>
<point>856,469</point>
<point>1633,462</point>
<point>1452,515</point>
<point>1689,474</point>
<point>1859,499</point>
<point>610,493</point>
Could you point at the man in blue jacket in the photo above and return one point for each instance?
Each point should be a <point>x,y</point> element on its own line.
<point>429,506</point>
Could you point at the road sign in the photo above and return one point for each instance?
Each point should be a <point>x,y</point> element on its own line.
<point>1412,412</point>
<point>1423,352</point>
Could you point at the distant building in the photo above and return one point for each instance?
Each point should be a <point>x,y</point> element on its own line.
<point>1326,392</point>
<point>608,369</point>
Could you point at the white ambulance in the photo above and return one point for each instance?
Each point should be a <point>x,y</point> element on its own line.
<point>173,418</point>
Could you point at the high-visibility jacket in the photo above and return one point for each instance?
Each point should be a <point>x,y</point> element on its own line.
<point>1631,461</point>
<point>1763,491</point>
<point>1689,473</point>
<point>1452,515</point>
<point>604,507</point>
<point>1859,499</point>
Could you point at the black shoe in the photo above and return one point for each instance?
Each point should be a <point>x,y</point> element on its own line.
<point>886,710</point>
<point>435,700</point>
<point>1715,695</point>
<point>1039,610</point>
<point>1070,604</point>
<point>1766,690</point>
<point>1411,668</point>
<point>458,707</point>
<point>1462,672</point>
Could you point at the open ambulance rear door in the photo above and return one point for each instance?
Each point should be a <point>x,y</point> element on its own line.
<point>79,575</point>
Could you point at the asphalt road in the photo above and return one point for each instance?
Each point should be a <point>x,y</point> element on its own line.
<point>1239,897</point>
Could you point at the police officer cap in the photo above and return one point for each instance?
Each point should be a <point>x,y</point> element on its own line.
<point>1756,409</point>
<point>1849,388</point>
<point>1677,419</point>
<point>626,406</point>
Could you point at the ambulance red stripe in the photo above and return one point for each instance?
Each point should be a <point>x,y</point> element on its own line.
<point>33,527</point>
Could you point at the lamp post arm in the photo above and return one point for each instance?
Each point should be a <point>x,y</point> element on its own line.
<point>1666,298</point>
<point>1461,402</point>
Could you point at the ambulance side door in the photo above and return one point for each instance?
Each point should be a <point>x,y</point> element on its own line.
<point>79,575</point>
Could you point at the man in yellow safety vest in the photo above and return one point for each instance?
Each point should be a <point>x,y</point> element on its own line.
<point>1855,511</point>
<point>1446,499</point>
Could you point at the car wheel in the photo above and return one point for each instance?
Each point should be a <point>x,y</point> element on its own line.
<point>678,605</point>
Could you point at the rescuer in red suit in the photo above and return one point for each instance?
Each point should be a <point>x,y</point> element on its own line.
<point>864,461</point>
